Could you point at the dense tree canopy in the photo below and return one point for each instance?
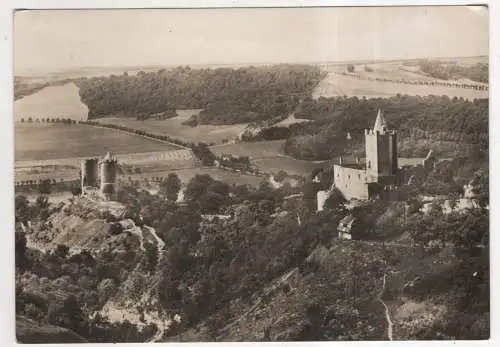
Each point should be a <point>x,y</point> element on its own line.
<point>227,95</point>
<point>456,121</point>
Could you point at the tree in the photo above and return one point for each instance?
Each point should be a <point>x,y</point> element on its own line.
<point>41,207</point>
<point>72,314</point>
<point>20,250</point>
<point>453,199</point>
<point>203,152</point>
<point>22,208</point>
<point>335,201</point>
<point>350,68</point>
<point>481,188</point>
<point>42,201</point>
<point>152,257</point>
<point>171,186</point>
<point>198,186</point>
<point>76,191</point>
<point>280,176</point>
<point>45,187</point>
<point>61,251</point>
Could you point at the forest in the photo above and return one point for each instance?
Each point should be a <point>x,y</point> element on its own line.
<point>435,119</point>
<point>226,95</point>
<point>210,265</point>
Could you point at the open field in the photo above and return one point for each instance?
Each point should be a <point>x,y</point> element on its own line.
<point>338,85</point>
<point>173,127</point>
<point>292,120</point>
<point>66,175</point>
<point>388,70</point>
<point>186,174</point>
<point>68,168</point>
<point>253,150</point>
<point>54,141</point>
<point>289,165</point>
<point>51,102</point>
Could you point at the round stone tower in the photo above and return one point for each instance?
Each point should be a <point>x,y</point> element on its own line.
<point>108,176</point>
<point>90,173</point>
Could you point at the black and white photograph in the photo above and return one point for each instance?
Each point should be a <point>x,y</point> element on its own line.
<point>251,174</point>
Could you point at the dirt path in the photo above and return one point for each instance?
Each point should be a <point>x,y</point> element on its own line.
<point>159,242</point>
<point>387,313</point>
<point>138,232</point>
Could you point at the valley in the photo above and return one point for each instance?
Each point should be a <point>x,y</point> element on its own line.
<point>227,233</point>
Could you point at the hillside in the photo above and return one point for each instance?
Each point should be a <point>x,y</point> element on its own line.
<point>264,267</point>
<point>337,298</point>
<point>448,126</point>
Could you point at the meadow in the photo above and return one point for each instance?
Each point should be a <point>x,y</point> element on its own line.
<point>338,85</point>
<point>253,150</point>
<point>53,141</point>
<point>174,128</point>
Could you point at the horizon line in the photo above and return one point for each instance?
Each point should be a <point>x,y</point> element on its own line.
<point>35,71</point>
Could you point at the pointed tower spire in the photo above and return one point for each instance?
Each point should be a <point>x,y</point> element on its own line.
<point>380,123</point>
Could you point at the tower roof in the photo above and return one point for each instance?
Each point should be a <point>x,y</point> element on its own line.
<point>108,157</point>
<point>380,122</point>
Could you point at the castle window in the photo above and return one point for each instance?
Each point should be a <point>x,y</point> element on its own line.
<point>359,176</point>
<point>369,164</point>
<point>349,176</point>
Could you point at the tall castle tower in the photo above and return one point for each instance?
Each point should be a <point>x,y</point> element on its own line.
<point>381,152</point>
<point>108,176</point>
<point>90,173</point>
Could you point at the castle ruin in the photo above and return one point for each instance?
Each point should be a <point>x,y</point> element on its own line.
<point>101,175</point>
<point>365,179</point>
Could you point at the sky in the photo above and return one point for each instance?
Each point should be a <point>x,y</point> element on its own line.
<point>52,40</point>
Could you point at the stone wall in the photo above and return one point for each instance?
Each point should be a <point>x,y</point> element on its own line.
<point>352,183</point>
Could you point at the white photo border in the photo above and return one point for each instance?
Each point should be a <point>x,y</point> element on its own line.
<point>7,309</point>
